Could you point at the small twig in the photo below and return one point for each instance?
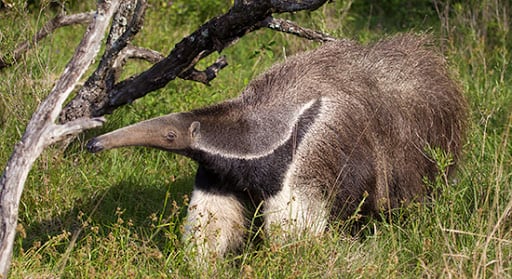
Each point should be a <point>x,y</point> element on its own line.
<point>135,52</point>
<point>49,27</point>
<point>208,74</point>
<point>290,27</point>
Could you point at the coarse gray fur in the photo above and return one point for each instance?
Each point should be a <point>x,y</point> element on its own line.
<point>312,137</point>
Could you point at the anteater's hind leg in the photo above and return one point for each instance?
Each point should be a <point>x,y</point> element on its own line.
<point>302,207</point>
<point>214,225</point>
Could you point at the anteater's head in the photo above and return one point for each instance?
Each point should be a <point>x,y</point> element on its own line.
<point>172,132</point>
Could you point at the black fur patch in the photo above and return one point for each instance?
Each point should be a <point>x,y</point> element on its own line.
<point>259,178</point>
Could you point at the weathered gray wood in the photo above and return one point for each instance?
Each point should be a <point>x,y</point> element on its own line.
<point>42,131</point>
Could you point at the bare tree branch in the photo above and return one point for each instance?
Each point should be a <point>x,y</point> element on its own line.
<point>101,94</point>
<point>42,130</point>
<point>152,56</point>
<point>205,76</point>
<point>208,74</point>
<point>215,35</point>
<point>61,132</point>
<point>57,22</point>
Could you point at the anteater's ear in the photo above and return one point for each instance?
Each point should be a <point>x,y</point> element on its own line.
<point>194,129</point>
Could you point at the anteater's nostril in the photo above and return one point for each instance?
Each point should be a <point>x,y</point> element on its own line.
<point>94,145</point>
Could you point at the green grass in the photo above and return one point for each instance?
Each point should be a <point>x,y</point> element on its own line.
<point>119,214</point>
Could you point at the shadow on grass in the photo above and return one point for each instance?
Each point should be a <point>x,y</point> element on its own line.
<point>141,205</point>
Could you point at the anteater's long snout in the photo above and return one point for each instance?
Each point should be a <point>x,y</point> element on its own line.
<point>145,133</point>
<point>94,145</point>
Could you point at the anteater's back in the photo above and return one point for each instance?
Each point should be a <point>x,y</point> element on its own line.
<point>382,107</point>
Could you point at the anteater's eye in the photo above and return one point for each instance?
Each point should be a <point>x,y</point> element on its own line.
<point>171,136</point>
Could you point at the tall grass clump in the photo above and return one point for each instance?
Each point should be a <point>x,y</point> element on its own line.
<point>118,214</point>
<point>479,44</point>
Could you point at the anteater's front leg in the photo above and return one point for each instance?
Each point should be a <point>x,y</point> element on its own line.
<point>214,225</point>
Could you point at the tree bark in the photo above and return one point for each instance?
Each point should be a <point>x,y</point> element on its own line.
<point>42,131</point>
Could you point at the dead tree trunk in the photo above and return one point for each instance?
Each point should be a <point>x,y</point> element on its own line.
<point>42,131</point>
